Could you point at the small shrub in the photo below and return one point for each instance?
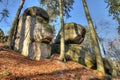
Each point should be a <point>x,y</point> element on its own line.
<point>5,73</point>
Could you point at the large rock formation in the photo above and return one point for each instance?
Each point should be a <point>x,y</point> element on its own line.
<point>82,55</point>
<point>36,11</point>
<point>77,53</point>
<point>74,34</point>
<point>34,34</point>
<point>72,51</point>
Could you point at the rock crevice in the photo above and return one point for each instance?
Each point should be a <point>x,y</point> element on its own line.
<point>34,34</point>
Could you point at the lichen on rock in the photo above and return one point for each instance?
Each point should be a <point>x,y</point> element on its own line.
<point>37,11</point>
<point>74,34</point>
<point>34,34</point>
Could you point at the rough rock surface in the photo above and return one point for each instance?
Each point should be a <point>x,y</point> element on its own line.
<point>34,34</point>
<point>37,11</point>
<point>76,52</point>
<point>72,51</point>
<point>81,55</point>
<point>74,34</point>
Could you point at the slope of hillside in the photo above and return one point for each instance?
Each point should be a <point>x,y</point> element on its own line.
<point>14,66</point>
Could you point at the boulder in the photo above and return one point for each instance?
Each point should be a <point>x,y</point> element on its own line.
<point>90,60</point>
<point>107,66</point>
<point>72,51</point>
<point>33,35</point>
<point>77,53</point>
<point>36,50</point>
<point>37,11</point>
<point>74,34</point>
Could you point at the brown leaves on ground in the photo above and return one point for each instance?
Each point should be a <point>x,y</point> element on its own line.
<point>14,66</point>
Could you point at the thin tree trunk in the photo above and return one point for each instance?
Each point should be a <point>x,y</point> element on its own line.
<point>14,26</point>
<point>62,43</point>
<point>100,66</point>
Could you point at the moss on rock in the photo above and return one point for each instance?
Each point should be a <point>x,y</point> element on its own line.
<point>108,66</point>
<point>37,11</point>
<point>74,34</point>
<point>45,24</point>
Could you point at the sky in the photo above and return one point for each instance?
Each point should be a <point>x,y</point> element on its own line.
<point>99,14</point>
<point>106,26</point>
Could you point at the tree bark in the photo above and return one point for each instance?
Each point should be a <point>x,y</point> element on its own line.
<point>14,26</point>
<point>100,66</point>
<point>62,42</point>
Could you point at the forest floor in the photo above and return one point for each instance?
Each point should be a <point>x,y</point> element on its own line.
<point>14,66</point>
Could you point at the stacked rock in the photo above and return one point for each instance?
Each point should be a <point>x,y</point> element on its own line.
<point>34,34</point>
<point>74,36</point>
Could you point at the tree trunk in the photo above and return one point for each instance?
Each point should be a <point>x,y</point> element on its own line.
<point>14,26</point>
<point>100,66</point>
<point>62,43</point>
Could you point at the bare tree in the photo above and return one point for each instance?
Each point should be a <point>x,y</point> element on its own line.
<point>100,66</point>
<point>62,34</point>
<point>14,25</point>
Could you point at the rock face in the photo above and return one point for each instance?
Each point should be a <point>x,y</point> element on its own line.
<point>74,34</point>
<point>78,53</point>
<point>37,11</point>
<point>72,51</point>
<point>34,34</point>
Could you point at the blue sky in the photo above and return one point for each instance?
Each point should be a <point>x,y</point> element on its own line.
<point>99,13</point>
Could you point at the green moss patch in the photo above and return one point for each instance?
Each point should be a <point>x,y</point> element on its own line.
<point>45,24</point>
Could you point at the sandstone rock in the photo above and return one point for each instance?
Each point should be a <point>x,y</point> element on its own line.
<point>33,36</point>
<point>36,50</point>
<point>33,29</point>
<point>55,48</point>
<point>76,52</point>
<point>74,34</point>
<point>37,11</point>
<point>90,60</point>
<point>107,66</point>
<point>72,52</point>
